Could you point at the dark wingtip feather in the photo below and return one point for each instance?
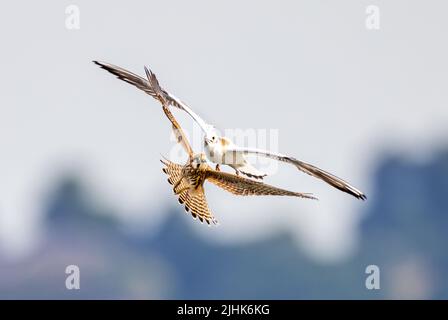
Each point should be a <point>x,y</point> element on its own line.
<point>148,72</point>
<point>360,196</point>
<point>100,64</point>
<point>165,160</point>
<point>357,195</point>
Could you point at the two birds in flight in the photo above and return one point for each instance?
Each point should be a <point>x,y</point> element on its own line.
<point>188,180</point>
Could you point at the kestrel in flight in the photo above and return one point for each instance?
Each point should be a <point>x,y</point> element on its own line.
<point>221,150</point>
<point>188,180</point>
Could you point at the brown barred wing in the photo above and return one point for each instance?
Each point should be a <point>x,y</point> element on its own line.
<point>241,186</point>
<point>195,202</point>
<point>181,138</point>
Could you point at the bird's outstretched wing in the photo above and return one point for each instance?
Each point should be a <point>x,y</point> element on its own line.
<point>174,101</point>
<point>195,202</point>
<point>161,96</point>
<point>246,187</point>
<point>307,168</point>
<point>145,85</point>
<point>127,76</point>
<point>178,132</point>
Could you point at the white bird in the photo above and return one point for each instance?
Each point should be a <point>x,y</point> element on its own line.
<point>188,180</point>
<point>221,150</point>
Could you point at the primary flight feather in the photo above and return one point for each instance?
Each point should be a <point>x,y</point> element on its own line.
<point>221,150</point>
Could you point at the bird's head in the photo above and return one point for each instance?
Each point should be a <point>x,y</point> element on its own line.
<point>198,160</point>
<point>211,136</point>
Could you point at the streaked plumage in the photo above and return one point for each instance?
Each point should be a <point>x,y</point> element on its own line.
<point>195,202</point>
<point>188,180</point>
<point>188,183</point>
<point>222,150</point>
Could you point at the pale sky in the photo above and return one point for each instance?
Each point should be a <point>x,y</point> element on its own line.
<point>338,95</point>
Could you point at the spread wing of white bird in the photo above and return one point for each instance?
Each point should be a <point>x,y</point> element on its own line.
<point>176,102</point>
<point>146,86</point>
<point>304,167</point>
